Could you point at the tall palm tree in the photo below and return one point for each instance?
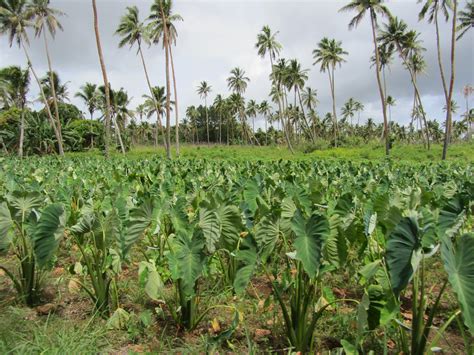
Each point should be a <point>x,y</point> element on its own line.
<point>220,106</point>
<point>203,90</point>
<point>104,76</point>
<point>265,110</point>
<point>385,58</point>
<point>268,45</point>
<point>17,85</point>
<point>252,110</point>
<point>395,34</point>
<point>310,98</point>
<point>375,8</point>
<point>466,19</point>
<point>163,14</point>
<point>14,20</point>
<point>114,105</point>
<point>237,82</point>
<point>359,107</point>
<point>296,78</point>
<point>159,30</point>
<point>155,104</point>
<point>329,54</point>
<point>88,95</point>
<point>348,109</point>
<point>46,18</point>
<point>132,31</point>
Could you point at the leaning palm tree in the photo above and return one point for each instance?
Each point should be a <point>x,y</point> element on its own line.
<point>14,20</point>
<point>204,89</point>
<point>268,45</point>
<point>46,18</point>
<point>466,19</point>
<point>106,81</point>
<point>329,54</point>
<point>16,85</point>
<point>132,31</point>
<point>375,8</point>
<point>163,15</point>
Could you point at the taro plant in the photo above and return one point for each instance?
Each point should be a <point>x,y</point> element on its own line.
<point>416,237</point>
<point>32,233</point>
<point>104,235</point>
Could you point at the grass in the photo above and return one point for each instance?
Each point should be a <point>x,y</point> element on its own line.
<point>461,152</point>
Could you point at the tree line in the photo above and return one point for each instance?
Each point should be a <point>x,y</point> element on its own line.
<point>290,114</point>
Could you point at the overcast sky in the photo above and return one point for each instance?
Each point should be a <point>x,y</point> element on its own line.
<point>219,35</point>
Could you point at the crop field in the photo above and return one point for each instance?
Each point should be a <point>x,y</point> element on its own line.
<point>195,255</point>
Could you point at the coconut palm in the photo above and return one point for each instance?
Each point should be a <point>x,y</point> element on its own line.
<point>203,90</point>
<point>193,115</point>
<point>395,33</point>
<point>16,84</point>
<point>134,32</point>
<point>220,106</point>
<point>238,83</point>
<point>54,89</point>
<point>106,80</point>
<point>268,45</point>
<point>265,110</point>
<point>14,21</point>
<point>310,98</point>
<point>359,107</point>
<point>374,8</point>
<point>466,19</point>
<point>385,58</point>
<point>46,19</point>
<point>390,103</point>
<point>252,110</point>
<point>88,95</point>
<point>348,109</point>
<point>161,13</point>
<point>329,54</point>
<point>155,104</point>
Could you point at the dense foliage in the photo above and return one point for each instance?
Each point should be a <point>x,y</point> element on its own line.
<point>198,226</point>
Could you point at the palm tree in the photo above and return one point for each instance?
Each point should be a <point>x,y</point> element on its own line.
<point>385,58</point>
<point>163,14</point>
<point>88,95</point>
<point>310,98</point>
<point>116,99</point>
<point>14,20</point>
<point>348,110</point>
<point>106,80</point>
<point>17,84</point>
<point>238,83</point>
<point>193,114</point>
<point>46,17</point>
<point>466,19</point>
<point>252,110</point>
<point>395,34</point>
<point>329,54</point>
<point>265,110</point>
<point>267,44</point>
<point>159,11</point>
<point>155,105</point>
<point>132,31</point>
<point>59,93</point>
<point>219,104</point>
<point>359,107</point>
<point>375,8</point>
<point>203,90</point>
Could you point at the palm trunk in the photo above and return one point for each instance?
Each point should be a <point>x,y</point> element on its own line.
<point>382,96</point>
<point>117,133</point>
<point>45,101</point>
<point>22,132</point>
<point>440,62</point>
<point>150,88</point>
<point>104,76</point>
<point>220,127</point>
<point>53,89</point>
<point>168,86</point>
<point>175,102</point>
<point>333,96</point>
<point>266,129</point>
<point>447,133</point>
<point>280,111</point>
<point>207,120</point>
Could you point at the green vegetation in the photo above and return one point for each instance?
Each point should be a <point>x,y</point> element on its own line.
<point>202,254</point>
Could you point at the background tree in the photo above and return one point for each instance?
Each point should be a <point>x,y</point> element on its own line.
<point>375,8</point>
<point>329,54</point>
<point>466,19</point>
<point>204,89</point>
